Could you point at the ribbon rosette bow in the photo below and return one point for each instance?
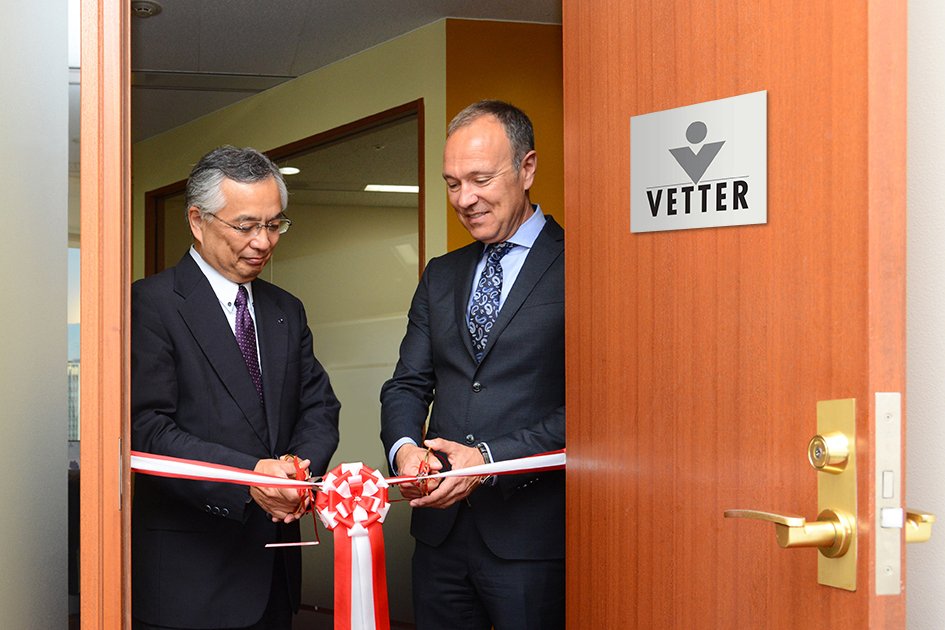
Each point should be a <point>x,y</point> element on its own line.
<point>353,503</point>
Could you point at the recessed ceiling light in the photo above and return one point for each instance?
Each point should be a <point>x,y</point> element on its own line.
<point>391,188</point>
<point>289,170</point>
<point>145,8</point>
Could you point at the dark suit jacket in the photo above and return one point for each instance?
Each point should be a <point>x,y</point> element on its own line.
<point>198,556</point>
<point>513,400</point>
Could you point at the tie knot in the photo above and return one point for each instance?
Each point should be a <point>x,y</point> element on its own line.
<point>242,296</point>
<point>498,250</point>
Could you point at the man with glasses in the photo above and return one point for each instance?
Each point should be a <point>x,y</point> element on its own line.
<point>222,371</point>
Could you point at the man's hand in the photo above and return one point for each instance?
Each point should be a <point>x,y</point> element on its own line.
<point>452,489</point>
<point>408,460</point>
<point>282,504</point>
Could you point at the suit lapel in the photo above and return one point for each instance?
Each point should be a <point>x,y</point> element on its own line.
<point>204,317</point>
<point>274,351</point>
<point>547,248</point>
<point>465,270</point>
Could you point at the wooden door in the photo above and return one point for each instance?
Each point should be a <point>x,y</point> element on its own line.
<point>696,358</point>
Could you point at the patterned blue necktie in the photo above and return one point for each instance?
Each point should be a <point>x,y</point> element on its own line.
<point>485,302</point>
<point>246,338</point>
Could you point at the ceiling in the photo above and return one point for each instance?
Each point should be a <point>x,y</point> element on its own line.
<point>195,57</point>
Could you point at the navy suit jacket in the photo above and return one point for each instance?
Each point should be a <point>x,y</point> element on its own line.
<point>198,556</point>
<point>513,399</point>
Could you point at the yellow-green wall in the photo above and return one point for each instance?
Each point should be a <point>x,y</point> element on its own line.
<point>519,63</point>
<point>400,71</point>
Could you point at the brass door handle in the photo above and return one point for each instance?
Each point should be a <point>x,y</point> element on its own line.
<point>918,526</point>
<point>832,532</point>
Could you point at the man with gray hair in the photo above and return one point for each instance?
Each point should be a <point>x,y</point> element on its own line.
<point>222,371</point>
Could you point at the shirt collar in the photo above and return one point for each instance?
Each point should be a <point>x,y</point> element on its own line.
<point>527,233</point>
<point>224,288</point>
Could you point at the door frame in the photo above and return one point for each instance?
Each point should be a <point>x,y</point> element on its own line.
<point>105,515</point>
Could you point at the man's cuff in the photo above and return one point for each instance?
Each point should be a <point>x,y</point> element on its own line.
<point>487,458</point>
<point>393,452</point>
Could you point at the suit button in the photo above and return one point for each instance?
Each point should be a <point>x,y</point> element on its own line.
<point>225,511</point>
<point>470,438</point>
<point>215,511</point>
<point>477,387</point>
<point>207,508</point>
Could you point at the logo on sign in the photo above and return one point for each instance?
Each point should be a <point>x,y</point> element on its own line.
<point>712,180</point>
<point>695,163</point>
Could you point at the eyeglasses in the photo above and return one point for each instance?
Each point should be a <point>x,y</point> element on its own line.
<point>278,226</point>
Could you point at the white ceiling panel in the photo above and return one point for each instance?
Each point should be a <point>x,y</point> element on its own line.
<point>168,41</point>
<point>257,38</point>
<point>276,38</point>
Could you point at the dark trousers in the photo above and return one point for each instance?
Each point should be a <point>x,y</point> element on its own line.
<point>278,613</point>
<point>462,585</point>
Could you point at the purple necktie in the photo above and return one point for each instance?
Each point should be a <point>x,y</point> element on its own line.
<point>485,302</point>
<point>246,338</point>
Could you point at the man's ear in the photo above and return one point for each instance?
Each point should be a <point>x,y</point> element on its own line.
<point>196,222</point>
<point>528,168</point>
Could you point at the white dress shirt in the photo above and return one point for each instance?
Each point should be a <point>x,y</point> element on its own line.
<point>226,290</point>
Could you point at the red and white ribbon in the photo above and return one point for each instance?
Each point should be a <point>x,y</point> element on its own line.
<point>544,462</point>
<point>166,466</point>
<point>352,502</point>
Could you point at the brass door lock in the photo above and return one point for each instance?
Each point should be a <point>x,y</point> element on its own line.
<point>829,452</point>
<point>834,532</point>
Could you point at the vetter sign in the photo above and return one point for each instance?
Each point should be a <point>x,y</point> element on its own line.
<point>700,166</point>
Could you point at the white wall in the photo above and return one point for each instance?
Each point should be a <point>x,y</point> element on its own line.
<point>34,107</point>
<point>925,402</point>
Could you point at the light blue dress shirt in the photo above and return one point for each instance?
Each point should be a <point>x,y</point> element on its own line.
<point>524,238</point>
